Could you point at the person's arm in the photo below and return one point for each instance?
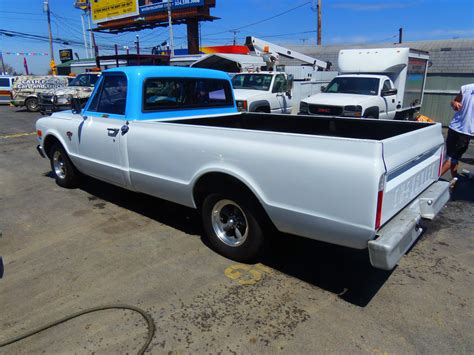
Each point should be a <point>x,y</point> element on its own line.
<point>456,103</point>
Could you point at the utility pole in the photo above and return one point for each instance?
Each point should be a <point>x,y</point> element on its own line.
<point>51,51</point>
<point>91,33</point>
<point>318,8</point>
<point>86,46</point>
<point>400,35</point>
<point>170,25</point>
<point>137,44</point>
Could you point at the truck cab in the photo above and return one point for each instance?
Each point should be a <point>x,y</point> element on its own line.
<point>360,95</point>
<point>269,92</point>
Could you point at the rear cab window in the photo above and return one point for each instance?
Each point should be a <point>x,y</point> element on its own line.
<point>185,93</point>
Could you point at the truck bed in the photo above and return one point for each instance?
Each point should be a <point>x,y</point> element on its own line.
<point>310,125</point>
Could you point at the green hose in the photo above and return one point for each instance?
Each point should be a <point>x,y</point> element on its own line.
<point>146,316</point>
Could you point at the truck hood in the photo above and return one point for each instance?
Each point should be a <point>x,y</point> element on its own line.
<point>338,99</point>
<point>242,94</point>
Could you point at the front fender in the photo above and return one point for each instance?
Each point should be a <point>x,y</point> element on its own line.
<point>254,105</point>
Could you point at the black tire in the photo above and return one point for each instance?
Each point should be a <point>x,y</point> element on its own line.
<point>262,110</point>
<point>249,247</point>
<point>64,172</point>
<point>371,117</point>
<point>32,104</point>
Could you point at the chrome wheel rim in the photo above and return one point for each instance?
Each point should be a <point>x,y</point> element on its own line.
<point>229,223</point>
<point>59,165</point>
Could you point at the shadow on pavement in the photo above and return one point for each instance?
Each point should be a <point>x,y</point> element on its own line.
<point>464,190</point>
<point>343,271</point>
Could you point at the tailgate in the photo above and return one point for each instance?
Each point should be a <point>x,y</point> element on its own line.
<point>412,161</point>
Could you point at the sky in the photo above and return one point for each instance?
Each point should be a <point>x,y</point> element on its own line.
<point>282,22</point>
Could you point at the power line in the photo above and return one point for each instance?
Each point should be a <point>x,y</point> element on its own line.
<point>263,20</point>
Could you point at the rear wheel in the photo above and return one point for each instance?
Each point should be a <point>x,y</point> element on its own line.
<point>32,104</point>
<point>232,224</point>
<point>65,174</point>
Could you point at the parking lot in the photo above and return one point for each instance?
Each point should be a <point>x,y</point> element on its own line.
<point>68,250</point>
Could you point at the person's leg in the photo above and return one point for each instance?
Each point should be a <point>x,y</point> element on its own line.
<point>454,167</point>
<point>446,166</point>
<point>456,146</point>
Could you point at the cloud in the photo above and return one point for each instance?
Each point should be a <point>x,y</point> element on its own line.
<point>359,6</point>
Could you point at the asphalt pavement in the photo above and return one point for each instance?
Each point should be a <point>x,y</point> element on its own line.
<point>68,250</point>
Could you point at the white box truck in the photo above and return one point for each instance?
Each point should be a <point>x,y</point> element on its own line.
<point>381,83</point>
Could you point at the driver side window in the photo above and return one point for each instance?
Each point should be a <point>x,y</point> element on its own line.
<point>386,86</point>
<point>279,85</point>
<point>111,96</point>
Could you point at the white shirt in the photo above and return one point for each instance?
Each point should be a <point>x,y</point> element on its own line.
<point>463,120</point>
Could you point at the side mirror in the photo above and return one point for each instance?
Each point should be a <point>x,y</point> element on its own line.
<point>76,106</point>
<point>323,88</point>
<point>389,92</point>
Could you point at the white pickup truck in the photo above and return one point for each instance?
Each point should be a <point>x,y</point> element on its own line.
<point>175,133</point>
<point>275,92</point>
<point>382,83</point>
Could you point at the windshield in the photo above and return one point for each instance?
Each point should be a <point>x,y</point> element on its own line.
<point>84,80</point>
<point>252,81</point>
<point>354,85</point>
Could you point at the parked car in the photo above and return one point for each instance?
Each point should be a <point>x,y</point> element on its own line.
<point>27,87</point>
<point>176,133</point>
<point>60,99</point>
<point>6,84</point>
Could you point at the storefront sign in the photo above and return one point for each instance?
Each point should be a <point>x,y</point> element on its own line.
<point>65,55</point>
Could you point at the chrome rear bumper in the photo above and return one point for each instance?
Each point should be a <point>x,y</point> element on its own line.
<point>398,235</point>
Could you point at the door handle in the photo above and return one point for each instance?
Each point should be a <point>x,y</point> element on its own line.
<point>112,132</point>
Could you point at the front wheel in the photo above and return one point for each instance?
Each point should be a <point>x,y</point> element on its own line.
<point>32,104</point>
<point>231,224</point>
<point>64,172</point>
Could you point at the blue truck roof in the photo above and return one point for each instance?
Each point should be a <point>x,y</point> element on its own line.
<point>162,71</point>
<point>136,75</point>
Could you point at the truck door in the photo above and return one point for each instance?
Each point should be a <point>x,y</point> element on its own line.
<point>389,97</point>
<point>279,89</point>
<point>100,133</point>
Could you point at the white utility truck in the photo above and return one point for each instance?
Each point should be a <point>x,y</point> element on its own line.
<point>385,83</point>
<point>262,85</point>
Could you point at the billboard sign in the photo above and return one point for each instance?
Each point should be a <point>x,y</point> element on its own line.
<point>107,10</point>
<point>150,6</point>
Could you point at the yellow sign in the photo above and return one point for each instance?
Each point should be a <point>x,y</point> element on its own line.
<point>53,67</point>
<point>107,10</point>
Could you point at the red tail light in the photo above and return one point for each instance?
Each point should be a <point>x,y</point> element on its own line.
<point>378,215</point>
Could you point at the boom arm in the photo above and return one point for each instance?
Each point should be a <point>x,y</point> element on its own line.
<point>261,47</point>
